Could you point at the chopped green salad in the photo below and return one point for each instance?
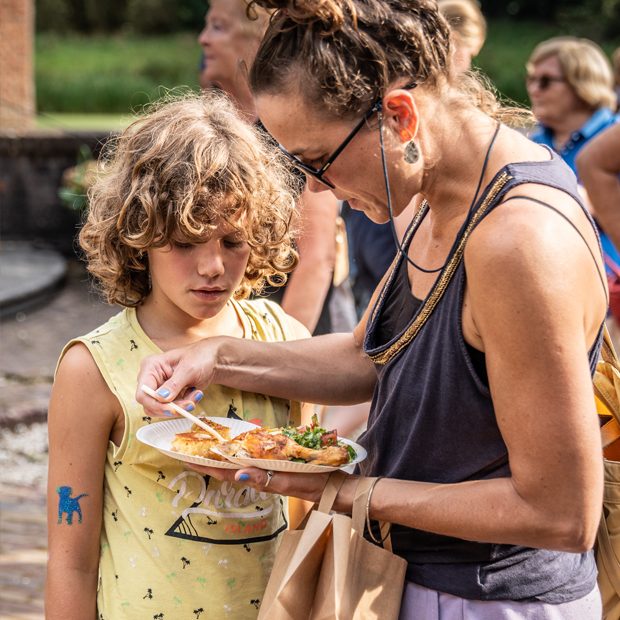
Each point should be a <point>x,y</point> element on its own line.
<point>316,437</point>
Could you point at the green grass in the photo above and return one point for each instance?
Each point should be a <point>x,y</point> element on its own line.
<point>69,121</point>
<point>111,74</point>
<point>118,75</point>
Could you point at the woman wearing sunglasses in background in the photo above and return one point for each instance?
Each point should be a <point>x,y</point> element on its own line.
<point>571,86</point>
<point>480,342</point>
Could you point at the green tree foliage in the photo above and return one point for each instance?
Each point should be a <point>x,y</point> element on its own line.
<point>595,19</point>
<point>112,16</point>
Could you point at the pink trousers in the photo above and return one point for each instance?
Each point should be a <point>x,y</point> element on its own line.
<point>421,603</point>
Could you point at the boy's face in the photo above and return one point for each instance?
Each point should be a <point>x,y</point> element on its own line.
<point>198,279</point>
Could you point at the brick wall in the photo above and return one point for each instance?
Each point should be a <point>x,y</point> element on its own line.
<point>17,96</point>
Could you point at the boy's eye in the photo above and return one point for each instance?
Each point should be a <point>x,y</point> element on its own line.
<point>181,245</point>
<point>234,242</point>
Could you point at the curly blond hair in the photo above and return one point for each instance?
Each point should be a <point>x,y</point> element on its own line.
<point>186,164</point>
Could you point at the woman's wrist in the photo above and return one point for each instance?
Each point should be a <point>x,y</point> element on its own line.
<point>222,352</point>
<point>346,495</point>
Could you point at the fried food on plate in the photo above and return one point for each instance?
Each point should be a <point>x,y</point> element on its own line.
<point>306,444</point>
<point>197,442</point>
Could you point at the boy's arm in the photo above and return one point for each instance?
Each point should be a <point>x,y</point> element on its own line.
<point>81,416</point>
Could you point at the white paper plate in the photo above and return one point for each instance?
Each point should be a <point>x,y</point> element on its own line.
<point>302,468</point>
<point>160,435</point>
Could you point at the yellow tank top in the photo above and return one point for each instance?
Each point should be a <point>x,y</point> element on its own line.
<point>176,545</point>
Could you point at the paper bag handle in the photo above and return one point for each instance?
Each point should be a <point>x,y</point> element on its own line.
<point>358,513</point>
<point>330,492</point>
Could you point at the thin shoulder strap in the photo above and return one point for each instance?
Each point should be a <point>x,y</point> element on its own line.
<point>545,204</point>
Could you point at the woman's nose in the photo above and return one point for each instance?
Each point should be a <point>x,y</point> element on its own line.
<point>314,185</point>
<point>202,37</point>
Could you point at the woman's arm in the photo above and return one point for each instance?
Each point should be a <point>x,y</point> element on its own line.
<point>81,415</point>
<point>324,370</point>
<point>599,169</point>
<point>309,283</point>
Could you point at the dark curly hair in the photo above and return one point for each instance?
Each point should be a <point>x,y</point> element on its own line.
<point>346,53</point>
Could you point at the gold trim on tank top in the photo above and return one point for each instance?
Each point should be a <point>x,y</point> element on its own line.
<point>439,288</point>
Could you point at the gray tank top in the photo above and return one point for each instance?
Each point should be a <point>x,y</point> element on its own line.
<point>432,420</point>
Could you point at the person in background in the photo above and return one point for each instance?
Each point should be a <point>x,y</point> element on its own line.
<point>229,41</point>
<point>598,165</point>
<point>189,215</point>
<point>203,81</point>
<point>469,30</point>
<point>571,88</point>
<point>615,59</point>
<point>372,250</point>
<point>570,84</point>
<point>483,440</point>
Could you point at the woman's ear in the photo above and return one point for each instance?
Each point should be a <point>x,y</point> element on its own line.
<point>400,109</point>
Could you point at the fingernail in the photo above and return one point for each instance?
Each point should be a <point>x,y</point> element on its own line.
<point>168,414</point>
<point>189,407</point>
<point>163,392</point>
<point>244,477</point>
<point>198,396</point>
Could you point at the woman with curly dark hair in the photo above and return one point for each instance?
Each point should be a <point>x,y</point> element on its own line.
<point>189,215</point>
<point>479,345</point>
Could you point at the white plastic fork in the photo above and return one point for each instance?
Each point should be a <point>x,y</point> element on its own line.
<point>186,414</point>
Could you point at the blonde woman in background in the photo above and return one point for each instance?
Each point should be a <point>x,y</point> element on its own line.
<point>229,41</point>
<point>469,30</point>
<point>571,87</point>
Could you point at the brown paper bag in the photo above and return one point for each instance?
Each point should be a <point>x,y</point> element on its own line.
<point>607,392</point>
<point>327,571</point>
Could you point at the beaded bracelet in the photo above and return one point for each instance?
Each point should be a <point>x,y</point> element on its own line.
<point>368,525</point>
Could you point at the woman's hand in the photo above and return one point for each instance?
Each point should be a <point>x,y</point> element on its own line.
<point>177,375</point>
<point>308,487</point>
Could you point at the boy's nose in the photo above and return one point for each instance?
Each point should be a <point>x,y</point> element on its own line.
<point>210,262</point>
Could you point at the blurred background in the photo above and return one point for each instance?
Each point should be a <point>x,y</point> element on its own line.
<point>72,73</point>
<point>103,59</point>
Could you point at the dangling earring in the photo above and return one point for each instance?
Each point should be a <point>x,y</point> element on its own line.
<point>412,153</point>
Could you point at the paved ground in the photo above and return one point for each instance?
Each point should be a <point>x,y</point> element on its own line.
<point>30,342</point>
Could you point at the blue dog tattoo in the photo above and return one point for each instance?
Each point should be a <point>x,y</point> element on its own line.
<point>68,504</point>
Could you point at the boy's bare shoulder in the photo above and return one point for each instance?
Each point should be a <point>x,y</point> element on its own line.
<point>79,382</point>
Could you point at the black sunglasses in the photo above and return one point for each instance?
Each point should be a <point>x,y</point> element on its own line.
<point>544,81</point>
<point>318,173</point>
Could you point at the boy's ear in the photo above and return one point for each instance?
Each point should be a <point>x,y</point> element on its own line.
<point>400,109</point>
